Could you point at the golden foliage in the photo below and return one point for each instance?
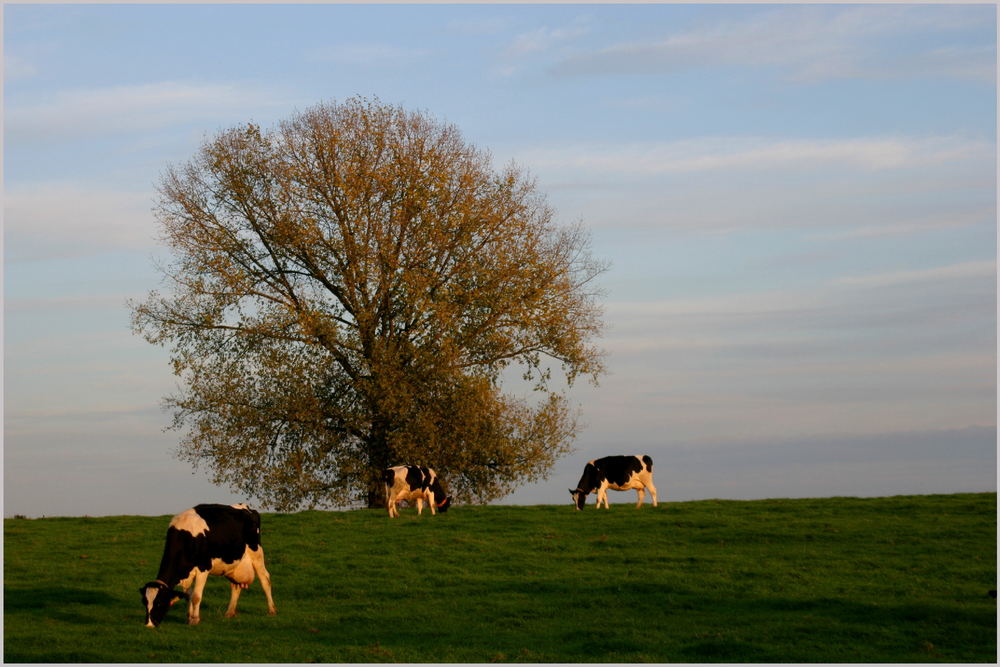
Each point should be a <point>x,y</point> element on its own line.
<point>346,291</point>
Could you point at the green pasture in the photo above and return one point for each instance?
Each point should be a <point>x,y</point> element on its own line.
<point>901,579</point>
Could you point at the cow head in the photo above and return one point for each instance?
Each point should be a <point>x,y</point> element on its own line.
<point>579,498</point>
<point>157,597</point>
<point>444,504</point>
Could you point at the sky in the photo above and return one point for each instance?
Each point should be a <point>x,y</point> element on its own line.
<point>797,203</point>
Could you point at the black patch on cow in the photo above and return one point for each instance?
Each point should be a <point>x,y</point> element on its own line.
<point>648,462</point>
<point>418,477</point>
<point>441,498</point>
<point>618,469</point>
<point>591,478</point>
<point>164,598</point>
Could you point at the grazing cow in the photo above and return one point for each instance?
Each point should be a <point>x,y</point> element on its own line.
<point>615,472</point>
<point>204,540</point>
<point>414,483</point>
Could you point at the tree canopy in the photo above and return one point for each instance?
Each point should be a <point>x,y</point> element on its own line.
<point>344,293</point>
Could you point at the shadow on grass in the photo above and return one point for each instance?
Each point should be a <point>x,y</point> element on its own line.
<point>58,602</point>
<point>13,656</point>
<point>909,631</point>
<point>53,603</point>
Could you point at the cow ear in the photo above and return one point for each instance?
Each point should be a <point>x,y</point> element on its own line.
<point>572,492</point>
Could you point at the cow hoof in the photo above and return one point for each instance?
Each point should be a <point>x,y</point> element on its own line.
<point>230,614</point>
<point>194,621</point>
<point>272,612</point>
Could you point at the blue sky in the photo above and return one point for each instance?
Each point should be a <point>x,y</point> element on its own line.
<point>798,203</point>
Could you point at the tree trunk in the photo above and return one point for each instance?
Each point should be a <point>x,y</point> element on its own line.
<point>378,457</point>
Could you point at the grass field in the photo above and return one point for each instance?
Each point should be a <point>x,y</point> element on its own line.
<point>901,579</point>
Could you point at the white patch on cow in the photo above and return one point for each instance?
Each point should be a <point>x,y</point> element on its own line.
<point>239,572</point>
<point>190,521</point>
<point>632,483</point>
<point>185,583</point>
<point>240,506</point>
<point>150,596</point>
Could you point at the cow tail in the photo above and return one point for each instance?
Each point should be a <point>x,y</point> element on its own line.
<point>253,538</point>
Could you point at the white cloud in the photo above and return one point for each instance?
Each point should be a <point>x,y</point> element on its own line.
<point>749,153</point>
<point>810,43</point>
<point>537,41</point>
<point>545,38</point>
<point>838,189</point>
<point>915,350</point>
<point>64,219</point>
<point>84,112</point>
<point>15,68</point>
<point>986,269</point>
<point>771,304</point>
<point>954,218</point>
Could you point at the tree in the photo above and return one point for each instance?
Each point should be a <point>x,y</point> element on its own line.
<point>347,290</point>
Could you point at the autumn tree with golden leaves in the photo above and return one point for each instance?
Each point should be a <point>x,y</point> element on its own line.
<point>344,293</point>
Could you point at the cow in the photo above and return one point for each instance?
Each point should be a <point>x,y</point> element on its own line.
<point>615,472</point>
<point>207,539</point>
<point>418,483</point>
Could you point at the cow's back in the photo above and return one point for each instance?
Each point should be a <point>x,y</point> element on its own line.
<point>618,470</point>
<point>231,526</point>
<point>206,532</point>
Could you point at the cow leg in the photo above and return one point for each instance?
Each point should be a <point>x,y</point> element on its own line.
<point>390,502</point>
<point>194,602</point>
<point>431,502</point>
<point>652,491</point>
<point>257,559</point>
<point>602,496</point>
<point>234,596</point>
<point>642,495</point>
<point>420,506</point>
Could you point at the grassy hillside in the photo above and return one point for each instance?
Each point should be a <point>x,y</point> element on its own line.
<point>902,579</point>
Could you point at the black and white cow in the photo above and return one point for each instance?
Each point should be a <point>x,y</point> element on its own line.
<point>207,539</point>
<point>418,483</point>
<point>615,472</point>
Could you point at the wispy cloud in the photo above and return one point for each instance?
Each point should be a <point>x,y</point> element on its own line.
<point>840,189</point>
<point>748,153</point>
<point>985,269</point>
<point>955,218</point>
<point>85,112</point>
<point>15,68</point>
<point>846,313</point>
<point>545,37</point>
<point>539,40</point>
<point>65,219</point>
<point>913,349</point>
<point>809,43</point>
